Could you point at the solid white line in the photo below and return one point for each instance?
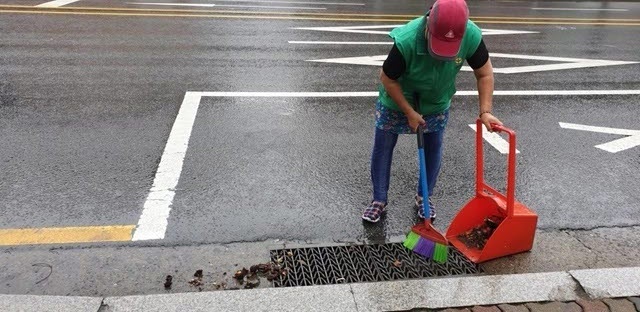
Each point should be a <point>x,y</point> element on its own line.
<point>56,3</point>
<point>578,9</point>
<point>345,42</point>
<point>566,92</point>
<point>209,5</point>
<point>494,139</point>
<point>459,93</point>
<point>290,2</point>
<point>153,221</point>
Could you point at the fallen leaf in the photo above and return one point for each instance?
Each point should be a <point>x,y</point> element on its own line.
<point>397,263</point>
<point>240,274</point>
<point>290,254</point>
<point>196,282</point>
<point>302,262</point>
<point>198,274</point>
<point>168,282</point>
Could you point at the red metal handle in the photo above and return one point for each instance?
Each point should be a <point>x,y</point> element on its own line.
<point>511,164</point>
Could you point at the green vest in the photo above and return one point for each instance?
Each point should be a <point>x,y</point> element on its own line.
<point>434,80</point>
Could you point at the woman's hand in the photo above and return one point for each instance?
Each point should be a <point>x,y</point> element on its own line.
<point>415,119</point>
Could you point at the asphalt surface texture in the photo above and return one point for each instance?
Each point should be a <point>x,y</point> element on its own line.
<point>87,102</point>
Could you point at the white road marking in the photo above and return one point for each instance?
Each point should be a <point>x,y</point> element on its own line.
<point>578,9</point>
<point>56,3</point>
<point>291,2</point>
<point>631,140</point>
<point>371,29</point>
<point>495,140</point>
<point>153,221</point>
<point>459,93</point>
<point>209,5</point>
<point>344,42</point>
<point>568,63</point>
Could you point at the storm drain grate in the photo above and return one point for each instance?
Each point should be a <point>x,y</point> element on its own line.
<point>362,263</point>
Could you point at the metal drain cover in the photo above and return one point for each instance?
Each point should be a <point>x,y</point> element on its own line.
<point>362,263</point>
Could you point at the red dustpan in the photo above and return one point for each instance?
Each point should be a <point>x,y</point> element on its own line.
<point>508,226</point>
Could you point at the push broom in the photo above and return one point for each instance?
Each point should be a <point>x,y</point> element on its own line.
<point>424,239</point>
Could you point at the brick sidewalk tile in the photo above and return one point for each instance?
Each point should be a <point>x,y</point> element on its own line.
<point>456,310</point>
<point>592,305</point>
<point>513,308</point>
<point>486,309</point>
<point>554,307</point>
<point>620,305</point>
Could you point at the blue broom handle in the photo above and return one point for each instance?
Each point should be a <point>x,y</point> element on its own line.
<point>423,163</point>
<point>423,173</point>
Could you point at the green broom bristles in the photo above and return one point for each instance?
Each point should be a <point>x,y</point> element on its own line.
<point>426,248</point>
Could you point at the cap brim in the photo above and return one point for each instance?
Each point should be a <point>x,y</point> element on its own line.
<point>445,50</point>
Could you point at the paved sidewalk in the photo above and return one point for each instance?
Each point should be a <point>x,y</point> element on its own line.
<point>629,304</point>
<point>596,290</point>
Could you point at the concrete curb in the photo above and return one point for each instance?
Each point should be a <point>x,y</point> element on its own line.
<point>380,296</point>
<point>609,283</point>
<point>29,303</point>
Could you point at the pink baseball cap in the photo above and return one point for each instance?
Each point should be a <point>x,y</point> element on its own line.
<point>447,24</point>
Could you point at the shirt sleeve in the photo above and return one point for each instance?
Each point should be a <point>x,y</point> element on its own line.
<point>480,57</point>
<point>394,66</point>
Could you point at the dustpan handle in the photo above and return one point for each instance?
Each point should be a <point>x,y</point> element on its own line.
<point>481,185</point>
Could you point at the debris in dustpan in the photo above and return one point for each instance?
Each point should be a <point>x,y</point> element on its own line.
<point>478,236</point>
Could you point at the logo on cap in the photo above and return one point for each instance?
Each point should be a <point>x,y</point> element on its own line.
<point>450,35</point>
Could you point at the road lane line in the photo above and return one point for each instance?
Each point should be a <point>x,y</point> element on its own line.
<point>55,4</point>
<point>292,2</point>
<point>225,5</point>
<point>494,139</point>
<point>65,235</point>
<point>153,221</point>
<point>122,12</point>
<point>344,42</point>
<point>459,93</point>
<point>330,14</point>
<point>578,9</point>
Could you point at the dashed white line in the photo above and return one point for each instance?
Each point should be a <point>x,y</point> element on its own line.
<point>56,3</point>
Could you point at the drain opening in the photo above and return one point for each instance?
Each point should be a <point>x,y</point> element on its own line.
<point>362,263</point>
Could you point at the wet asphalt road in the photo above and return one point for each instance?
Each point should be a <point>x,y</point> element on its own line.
<point>87,104</point>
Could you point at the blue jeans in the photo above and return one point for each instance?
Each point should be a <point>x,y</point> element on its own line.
<point>383,144</point>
